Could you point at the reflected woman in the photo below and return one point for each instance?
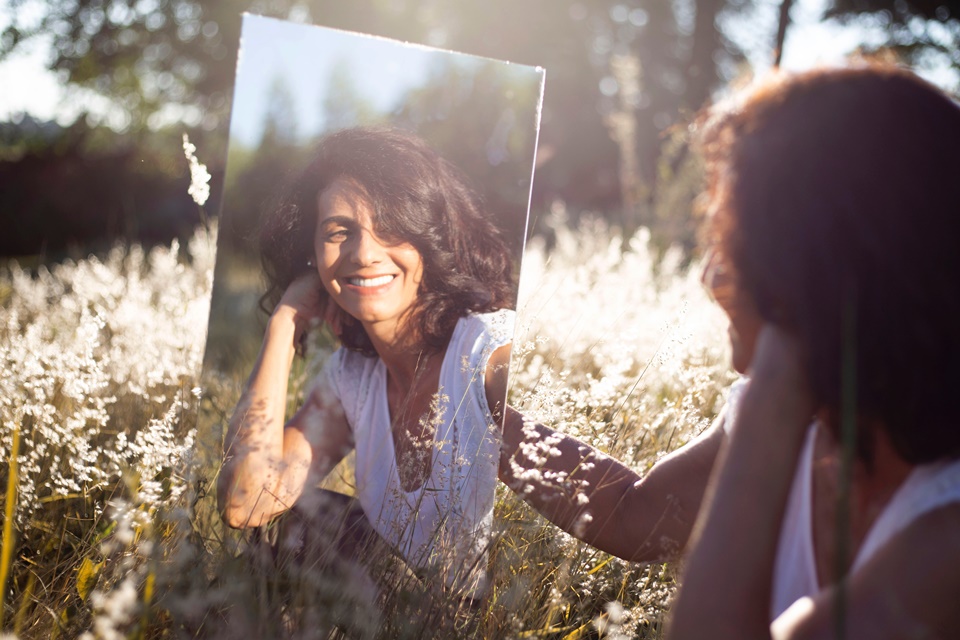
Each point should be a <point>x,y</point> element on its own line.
<point>381,239</point>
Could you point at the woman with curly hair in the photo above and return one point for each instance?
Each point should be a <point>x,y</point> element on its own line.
<point>836,209</point>
<point>382,239</point>
<point>833,476</point>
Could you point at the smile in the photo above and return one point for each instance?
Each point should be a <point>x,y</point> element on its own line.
<point>370,282</point>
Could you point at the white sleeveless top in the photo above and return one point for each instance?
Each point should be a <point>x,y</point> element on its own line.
<point>446,523</point>
<point>928,487</point>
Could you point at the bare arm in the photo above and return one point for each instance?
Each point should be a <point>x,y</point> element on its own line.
<point>725,592</point>
<point>596,498</point>
<point>267,462</point>
<point>908,589</point>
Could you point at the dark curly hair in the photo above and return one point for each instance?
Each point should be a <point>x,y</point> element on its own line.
<point>838,191</point>
<point>416,196</point>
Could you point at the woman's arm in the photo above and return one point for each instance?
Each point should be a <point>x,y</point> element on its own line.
<point>725,592</point>
<point>596,498</point>
<point>267,463</point>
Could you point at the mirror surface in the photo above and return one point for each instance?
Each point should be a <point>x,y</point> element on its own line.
<point>426,231</point>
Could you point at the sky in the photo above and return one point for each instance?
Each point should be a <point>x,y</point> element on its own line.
<point>37,92</point>
<point>303,58</point>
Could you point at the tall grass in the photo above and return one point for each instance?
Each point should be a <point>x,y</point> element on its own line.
<point>100,360</point>
<point>113,531</point>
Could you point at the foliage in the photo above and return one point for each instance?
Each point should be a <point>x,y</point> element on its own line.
<point>174,59</point>
<point>925,32</point>
<point>615,347</point>
<point>81,186</point>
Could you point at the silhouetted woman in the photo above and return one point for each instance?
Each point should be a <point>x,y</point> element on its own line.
<point>834,473</point>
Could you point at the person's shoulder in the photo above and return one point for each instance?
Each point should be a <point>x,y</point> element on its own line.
<point>908,588</point>
<point>343,373</point>
<point>496,326</point>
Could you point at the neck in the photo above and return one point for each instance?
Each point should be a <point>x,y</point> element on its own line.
<point>401,350</point>
<point>870,490</point>
<point>887,469</point>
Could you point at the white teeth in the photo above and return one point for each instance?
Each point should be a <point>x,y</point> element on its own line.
<point>370,282</point>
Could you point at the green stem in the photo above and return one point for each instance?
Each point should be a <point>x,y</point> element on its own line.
<point>848,437</point>
<point>6,555</point>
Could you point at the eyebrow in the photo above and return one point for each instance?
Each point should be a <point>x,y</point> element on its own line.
<point>345,221</point>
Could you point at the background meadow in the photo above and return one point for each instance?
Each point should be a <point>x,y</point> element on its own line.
<point>111,531</point>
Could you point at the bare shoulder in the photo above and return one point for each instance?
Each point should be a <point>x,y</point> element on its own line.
<point>909,589</point>
<point>496,378</point>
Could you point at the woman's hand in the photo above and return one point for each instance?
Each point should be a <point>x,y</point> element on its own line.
<point>307,304</point>
<point>726,589</point>
<point>777,371</point>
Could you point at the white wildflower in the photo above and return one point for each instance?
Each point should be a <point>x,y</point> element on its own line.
<point>199,188</point>
<point>114,610</point>
<point>580,526</point>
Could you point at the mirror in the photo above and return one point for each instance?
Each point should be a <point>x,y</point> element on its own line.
<point>408,170</point>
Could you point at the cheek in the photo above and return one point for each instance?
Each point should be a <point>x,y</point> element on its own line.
<point>325,255</point>
<point>326,261</point>
<point>744,331</point>
<point>414,264</point>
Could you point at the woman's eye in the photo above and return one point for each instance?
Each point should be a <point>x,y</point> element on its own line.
<point>337,235</point>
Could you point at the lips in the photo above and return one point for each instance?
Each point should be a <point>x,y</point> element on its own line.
<point>378,281</point>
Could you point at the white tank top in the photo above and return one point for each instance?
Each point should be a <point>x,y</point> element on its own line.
<point>928,487</point>
<point>446,523</point>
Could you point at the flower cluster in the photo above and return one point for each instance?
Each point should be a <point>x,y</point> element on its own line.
<point>99,357</point>
<point>621,348</point>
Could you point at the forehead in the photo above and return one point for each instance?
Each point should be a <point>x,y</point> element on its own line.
<point>344,197</point>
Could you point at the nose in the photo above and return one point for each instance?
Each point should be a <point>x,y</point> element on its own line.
<point>716,277</point>
<point>367,248</point>
<point>708,273</point>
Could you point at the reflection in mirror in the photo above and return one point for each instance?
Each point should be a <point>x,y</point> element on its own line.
<point>373,223</point>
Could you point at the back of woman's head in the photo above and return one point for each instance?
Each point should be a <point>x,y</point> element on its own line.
<point>416,196</point>
<point>836,197</point>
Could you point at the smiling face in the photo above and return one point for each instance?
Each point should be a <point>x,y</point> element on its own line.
<point>745,322</point>
<point>373,280</point>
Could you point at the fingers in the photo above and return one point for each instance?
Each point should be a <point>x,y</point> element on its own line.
<point>333,316</point>
<point>302,301</point>
<point>778,366</point>
<point>311,307</point>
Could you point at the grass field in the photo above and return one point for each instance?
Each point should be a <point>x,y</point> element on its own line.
<point>109,529</point>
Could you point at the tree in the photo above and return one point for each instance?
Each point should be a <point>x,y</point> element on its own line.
<point>258,175</point>
<point>280,119</point>
<point>926,32</point>
<point>156,57</point>
<point>343,105</point>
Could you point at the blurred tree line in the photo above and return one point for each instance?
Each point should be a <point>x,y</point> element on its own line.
<point>475,112</point>
<point>66,191</point>
<point>620,75</point>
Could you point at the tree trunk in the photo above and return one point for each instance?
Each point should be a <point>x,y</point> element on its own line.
<point>785,6</point>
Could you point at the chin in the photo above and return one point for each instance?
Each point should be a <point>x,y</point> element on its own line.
<point>739,358</point>
<point>740,366</point>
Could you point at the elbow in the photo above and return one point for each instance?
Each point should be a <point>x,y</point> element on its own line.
<point>236,518</point>
<point>230,514</point>
<point>244,508</point>
<point>233,510</point>
<point>239,515</point>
